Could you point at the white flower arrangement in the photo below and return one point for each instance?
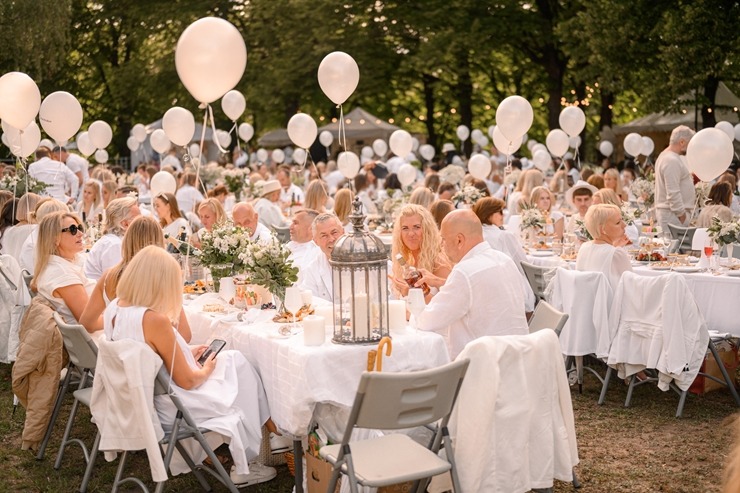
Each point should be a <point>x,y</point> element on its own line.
<point>210,173</point>
<point>21,182</point>
<point>644,190</point>
<point>452,174</point>
<point>630,214</point>
<point>468,195</point>
<point>267,265</point>
<point>234,179</point>
<point>223,245</point>
<point>724,233</point>
<point>532,218</point>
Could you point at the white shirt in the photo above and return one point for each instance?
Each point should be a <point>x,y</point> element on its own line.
<point>79,164</point>
<point>674,187</point>
<point>262,234</point>
<point>482,296</point>
<point>507,243</point>
<point>368,205</point>
<point>105,253</point>
<point>170,160</point>
<point>14,237</point>
<point>173,228</point>
<point>333,180</point>
<point>60,273</point>
<point>270,214</point>
<point>318,279</point>
<point>187,196</point>
<point>27,257</point>
<point>293,194</point>
<point>62,182</point>
<point>604,258</point>
<point>302,254</point>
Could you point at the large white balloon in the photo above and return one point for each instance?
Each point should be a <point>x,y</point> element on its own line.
<point>414,144</point>
<point>483,141</point>
<point>490,130</point>
<point>572,120</point>
<point>159,141</point>
<point>538,147</point>
<point>380,147</point>
<point>132,144</point>
<point>727,128</point>
<point>20,99</point>
<point>326,138</point>
<point>100,134</point>
<point>542,160</point>
<point>737,131</point>
<point>633,144</point>
<point>179,125</point>
<point>709,153</point>
<point>233,104</point>
<point>194,149</point>
<point>162,182</point>
<point>400,143</point>
<point>302,130</point>
<point>25,143</point>
<point>427,152</point>
<point>210,58</point>
<point>262,155</point>
<point>348,164</point>
<point>278,156</point>
<point>246,131</point>
<point>648,146</point>
<point>406,174</point>
<point>606,148</point>
<point>503,144</point>
<point>367,152</point>
<point>222,138</point>
<point>299,156</point>
<point>557,142</point>
<point>84,145</point>
<point>531,143</point>
<point>101,156</point>
<point>60,115</point>
<point>479,166</point>
<point>575,142</point>
<point>514,117</point>
<point>139,132</point>
<point>463,132</point>
<point>338,76</point>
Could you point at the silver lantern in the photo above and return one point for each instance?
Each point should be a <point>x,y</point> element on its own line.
<point>359,264</point>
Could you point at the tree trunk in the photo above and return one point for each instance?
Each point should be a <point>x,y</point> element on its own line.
<point>465,98</point>
<point>429,82</point>
<point>708,115</point>
<point>606,113</point>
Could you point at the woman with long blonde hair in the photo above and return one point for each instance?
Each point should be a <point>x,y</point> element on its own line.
<point>316,196</point>
<point>528,181</point>
<point>417,239</point>
<point>343,207</point>
<point>90,208</point>
<point>613,181</point>
<point>542,199</point>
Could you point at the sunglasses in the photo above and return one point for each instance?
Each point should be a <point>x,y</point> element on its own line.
<point>73,229</point>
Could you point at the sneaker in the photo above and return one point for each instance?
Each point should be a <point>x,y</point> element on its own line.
<point>280,443</point>
<point>258,473</point>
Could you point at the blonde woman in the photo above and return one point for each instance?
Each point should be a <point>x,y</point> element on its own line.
<point>422,196</point>
<point>170,218</point>
<point>417,239</point>
<point>528,181</point>
<point>343,207</point>
<point>58,276</point>
<point>14,237</point>
<point>106,252</point>
<point>90,209</point>
<point>211,213</point>
<point>108,192</point>
<point>146,310</point>
<point>27,257</point>
<point>613,182</point>
<point>542,199</point>
<point>602,254</point>
<point>316,196</point>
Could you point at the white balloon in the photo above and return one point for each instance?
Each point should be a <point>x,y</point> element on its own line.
<point>299,156</point>
<point>159,141</point>
<point>400,143</point>
<point>139,132</point>
<point>338,76</point>
<point>572,120</point>
<point>463,133</point>
<point>737,131</point>
<point>538,147</point>
<point>427,152</point>
<point>727,128</point>
<point>233,104</point>
<point>483,141</point>
<point>648,146</point>
<point>709,153</point>
<point>525,138</point>
<point>606,148</point>
<point>406,174</point>
<point>542,160</point>
<point>246,131</point>
<point>100,134</point>
<point>557,142</point>
<point>162,182</point>
<point>367,152</point>
<point>60,115</point>
<point>348,164</point>
<point>222,138</point>
<point>633,144</point>
<point>326,138</point>
<point>179,125</point>
<point>504,145</point>
<point>25,143</point>
<point>4,139</point>
<point>210,58</point>
<point>479,166</point>
<point>84,145</point>
<point>490,130</point>
<point>575,142</point>
<point>380,147</point>
<point>414,144</point>
<point>476,134</point>
<point>194,149</point>
<point>514,117</point>
<point>262,155</point>
<point>132,144</point>
<point>302,130</point>
<point>20,99</point>
<point>278,156</point>
<point>531,143</point>
<point>101,156</point>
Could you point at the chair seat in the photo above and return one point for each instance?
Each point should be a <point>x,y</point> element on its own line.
<point>84,395</point>
<point>388,460</point>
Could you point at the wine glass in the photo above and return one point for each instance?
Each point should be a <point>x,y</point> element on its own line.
<point>292,303</point>
<point>709,247</point>
<point>416,304</point>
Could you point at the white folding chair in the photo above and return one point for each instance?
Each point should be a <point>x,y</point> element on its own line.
<point>547,317</point>
<point>394,401</point>
<point>539,277</point>
<point>684,235</point>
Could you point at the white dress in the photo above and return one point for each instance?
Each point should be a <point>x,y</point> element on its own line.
<point>60,273</point>
<point>173,228</point>
<point>555,216</point>
<point>231,402</point>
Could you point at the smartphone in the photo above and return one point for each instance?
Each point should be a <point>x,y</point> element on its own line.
<point>216,346</point>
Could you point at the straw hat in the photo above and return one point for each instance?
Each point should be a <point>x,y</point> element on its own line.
<point>579,184</point>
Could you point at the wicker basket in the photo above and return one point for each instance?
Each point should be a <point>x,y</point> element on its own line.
<point>290,461</point>
<point>266,457</point>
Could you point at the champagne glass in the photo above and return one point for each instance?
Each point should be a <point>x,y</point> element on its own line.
<point>416,304</point>
<point>292,303</point>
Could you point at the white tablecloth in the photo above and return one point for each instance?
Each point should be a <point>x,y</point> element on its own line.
<point>542,260</point>
<point>296,377</point>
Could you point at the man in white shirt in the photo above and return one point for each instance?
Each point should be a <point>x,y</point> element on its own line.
<point>78,164</point>
<point>290,193</point>
<point>269,212</point>
<point>674,187</point>
<point>317,276</point>
<point>106,252</point>
<point>483,294</point>
<point>246,217</point>
<point>62,182</point>
<point>579,197</point>
<point>301,245</point>
<point>187,195</point>
<point>171,160</point>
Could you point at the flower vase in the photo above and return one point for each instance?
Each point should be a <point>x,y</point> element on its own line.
<point>729,249</point>
<point>278,299</point>
<point>219,271</point>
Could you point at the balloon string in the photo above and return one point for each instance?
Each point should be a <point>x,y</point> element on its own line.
<point>209,110</point>
<point>507,172</point>
<point>341,134</point>
<point>235,129</point>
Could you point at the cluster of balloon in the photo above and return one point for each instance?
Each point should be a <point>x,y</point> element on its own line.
<point>709,153</point>
<point>514,117</point>
<point>732,132</point>
<point>100,135</point>
<point>338,76</point>
<point>635,144</point>
<point>137,137</point>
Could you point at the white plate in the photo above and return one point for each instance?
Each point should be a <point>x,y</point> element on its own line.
<point>733,273</point>
<point>660,267</point>
<point>688,269</point>
<point>542,253</point>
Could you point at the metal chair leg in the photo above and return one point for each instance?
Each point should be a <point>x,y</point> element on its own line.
<point>728,380</point>
<point>61,391</point>
<point>90,463</point>
<point>629,391</point>
<point>605,386</point>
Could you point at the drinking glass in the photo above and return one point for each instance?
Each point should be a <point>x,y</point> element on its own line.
<point>292,303</point>
<point>416,304</point>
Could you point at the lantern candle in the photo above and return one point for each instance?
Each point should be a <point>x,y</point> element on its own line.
<point>326,312</point>
<point>314,330</point>
<point>360,321</point>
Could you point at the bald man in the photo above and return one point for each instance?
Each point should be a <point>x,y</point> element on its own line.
<point>483,294</point>
<point>245,216</point>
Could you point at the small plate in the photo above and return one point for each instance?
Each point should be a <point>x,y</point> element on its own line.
<point>733,273</point>
<point>542,253</point>
<point>688,269</point>
<point>660,267</point>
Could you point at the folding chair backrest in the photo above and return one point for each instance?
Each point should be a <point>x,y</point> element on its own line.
<point>83,352</point>
<point>391,401</point>
<point>538,278</point>
<point>684,235</point>
<point>547,317</point>
<point>282,234</point>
